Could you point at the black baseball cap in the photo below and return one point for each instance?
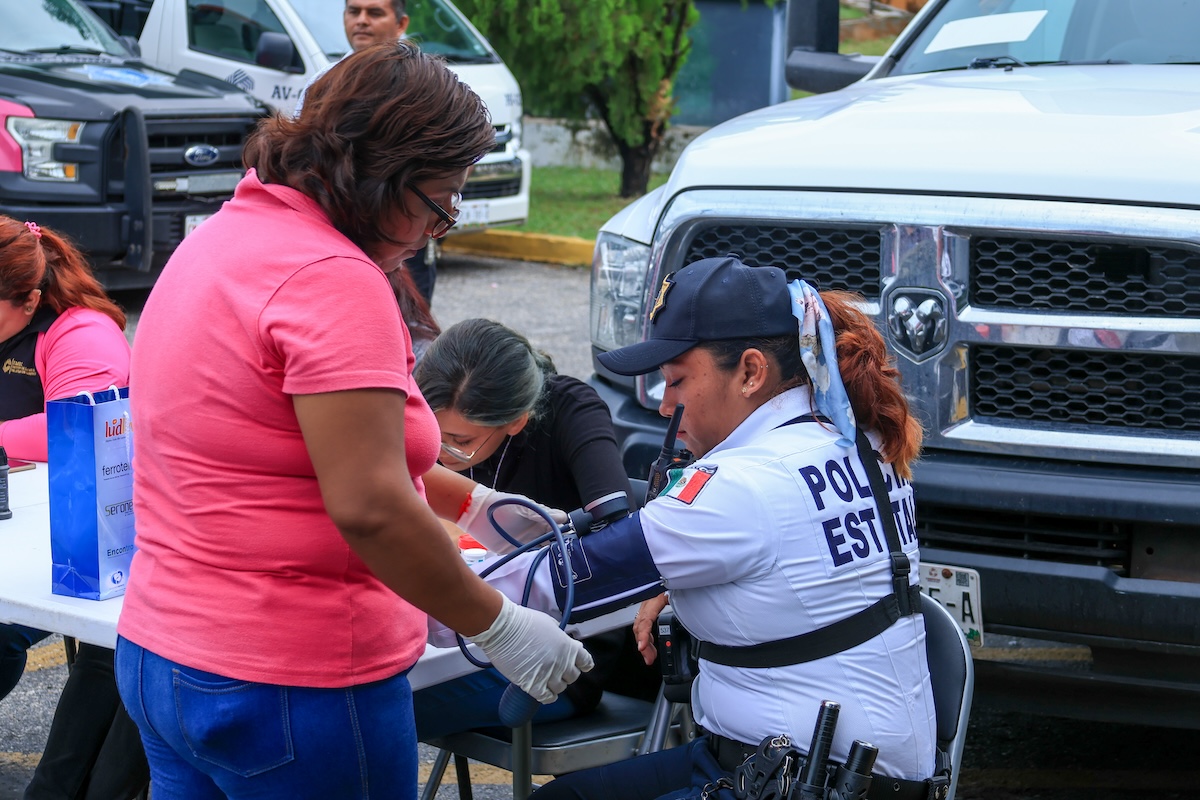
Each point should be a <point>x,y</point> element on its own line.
<point>708,300</point>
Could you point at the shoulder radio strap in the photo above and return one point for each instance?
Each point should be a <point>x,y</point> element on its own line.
<point>847,633</point>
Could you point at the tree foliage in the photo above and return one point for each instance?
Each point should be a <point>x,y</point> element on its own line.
<point>613,59</point>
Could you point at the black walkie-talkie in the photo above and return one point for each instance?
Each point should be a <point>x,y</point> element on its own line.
<point>670,458</point>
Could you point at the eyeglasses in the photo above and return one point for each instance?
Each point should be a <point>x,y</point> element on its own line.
<point>446,219</point>
<point>463,456</point>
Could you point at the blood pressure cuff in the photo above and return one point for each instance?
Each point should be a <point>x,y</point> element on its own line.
<point>612,568</point>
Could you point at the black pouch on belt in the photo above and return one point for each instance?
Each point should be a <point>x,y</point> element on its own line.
<point>770,773</point>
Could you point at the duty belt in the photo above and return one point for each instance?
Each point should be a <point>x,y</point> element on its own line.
<point>730,754</point>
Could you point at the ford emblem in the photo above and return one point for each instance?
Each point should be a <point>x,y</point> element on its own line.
<point>201,155</point>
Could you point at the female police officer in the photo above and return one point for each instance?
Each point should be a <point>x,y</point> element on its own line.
<point>772,533</point>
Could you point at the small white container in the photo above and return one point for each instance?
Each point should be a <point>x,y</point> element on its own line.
<point>474,555</point>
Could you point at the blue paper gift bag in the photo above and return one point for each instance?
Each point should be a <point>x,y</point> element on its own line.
<point>91,493</point>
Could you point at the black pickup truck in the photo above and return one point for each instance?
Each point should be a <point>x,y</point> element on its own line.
<point>123,158</point>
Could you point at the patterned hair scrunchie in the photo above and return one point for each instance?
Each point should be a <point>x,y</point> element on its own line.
<point>818,351</point>
<point>34,229</point>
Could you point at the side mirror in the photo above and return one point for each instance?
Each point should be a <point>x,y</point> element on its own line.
<point>276,51</point>
<point>825,72</point>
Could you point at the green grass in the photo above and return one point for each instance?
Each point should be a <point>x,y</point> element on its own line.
<point>573,201</point>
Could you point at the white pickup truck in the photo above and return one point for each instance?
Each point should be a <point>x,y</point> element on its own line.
<point>1014,188</point>
<point>270,48</point>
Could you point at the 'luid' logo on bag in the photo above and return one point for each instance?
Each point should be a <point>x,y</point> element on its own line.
<point>116,427</point>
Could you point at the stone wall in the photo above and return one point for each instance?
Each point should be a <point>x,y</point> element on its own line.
<point>568,143</point>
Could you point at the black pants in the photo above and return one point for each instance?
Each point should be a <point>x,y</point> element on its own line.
<point>681,773</point>
<point>94,751</point>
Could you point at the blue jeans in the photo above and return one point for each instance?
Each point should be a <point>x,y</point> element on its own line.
<point>681,773</point>
<point>14,641</point>
<point>472,701</point>
<point>207,736</point>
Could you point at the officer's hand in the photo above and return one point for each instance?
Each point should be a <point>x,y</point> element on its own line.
<point>528,648</point>
<point>519,522</point>
<point>643,626</point>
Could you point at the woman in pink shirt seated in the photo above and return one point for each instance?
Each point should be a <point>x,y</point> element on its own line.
<point>284,461</point>
<point>59,333</point>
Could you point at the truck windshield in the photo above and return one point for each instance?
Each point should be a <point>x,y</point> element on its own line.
<point>1002,33</point>
<point>56,26</point>
<point>437,25</point>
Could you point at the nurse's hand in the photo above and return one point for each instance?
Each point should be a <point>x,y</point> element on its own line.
<point>521,523</point>
<point>643,626</point>
<point>529,649</point>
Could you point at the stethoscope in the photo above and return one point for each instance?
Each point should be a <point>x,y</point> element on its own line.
<point>517,706</point>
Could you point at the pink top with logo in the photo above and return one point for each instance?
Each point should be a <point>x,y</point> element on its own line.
<point>239,569</point>
<point>82,351</point>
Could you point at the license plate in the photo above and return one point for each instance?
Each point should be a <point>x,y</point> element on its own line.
<point>192,221</point>
<point>212,183</point>
<point>957,589</point>
<point>472,214</point>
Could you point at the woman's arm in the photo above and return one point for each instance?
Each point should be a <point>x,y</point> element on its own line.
<point>466,503</point>
<point>447,491</point>
<point>356,442</point>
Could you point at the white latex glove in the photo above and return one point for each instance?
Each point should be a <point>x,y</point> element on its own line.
<point>528,648</point>
<point>519,522</point>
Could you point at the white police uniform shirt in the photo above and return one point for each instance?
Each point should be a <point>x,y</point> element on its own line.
<point>773,534</point>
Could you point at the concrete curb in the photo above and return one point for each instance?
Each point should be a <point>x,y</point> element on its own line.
<point>546,247</point>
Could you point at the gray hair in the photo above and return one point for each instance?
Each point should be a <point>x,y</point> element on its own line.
<point>488,373</point>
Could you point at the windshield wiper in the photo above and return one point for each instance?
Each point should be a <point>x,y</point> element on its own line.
<point>992,62</point>
<point>70,48</point>
<point>465,58</point>
<point>1079,63</point>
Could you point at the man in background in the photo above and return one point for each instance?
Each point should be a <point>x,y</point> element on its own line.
<point>371,22</point>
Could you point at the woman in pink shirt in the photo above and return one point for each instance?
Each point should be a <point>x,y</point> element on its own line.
<point>60,334</point>
<point>284,480</point>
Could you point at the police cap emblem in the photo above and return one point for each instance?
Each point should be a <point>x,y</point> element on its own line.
<point>660,302</point>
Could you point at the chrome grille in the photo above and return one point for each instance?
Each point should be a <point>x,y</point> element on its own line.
<point>169,139</point>
<point>1084,276</point>
<point>1095,388</point>
<point>1092,542</point>
<point>828,257</point>
<point>481,189</point>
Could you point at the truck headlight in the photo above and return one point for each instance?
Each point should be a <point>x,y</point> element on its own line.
<point>37,138</point>
<point>619,268</point>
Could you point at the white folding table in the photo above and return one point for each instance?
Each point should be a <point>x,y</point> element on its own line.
<point>25,595</point>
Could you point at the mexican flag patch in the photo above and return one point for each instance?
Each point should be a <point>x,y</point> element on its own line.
<point>687,483</point>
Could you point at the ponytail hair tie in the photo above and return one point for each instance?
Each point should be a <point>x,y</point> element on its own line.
<point>34,229</point>
<point>818,351</point>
